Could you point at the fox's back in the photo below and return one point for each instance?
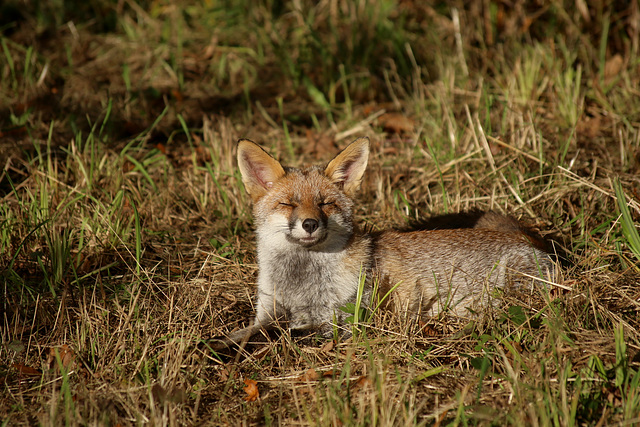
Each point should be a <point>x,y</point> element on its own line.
<point>457,268</point>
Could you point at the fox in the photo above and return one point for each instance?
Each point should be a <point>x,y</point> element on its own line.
<point>312,256</point>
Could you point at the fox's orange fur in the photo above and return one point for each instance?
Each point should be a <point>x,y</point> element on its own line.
<point>311,254</point>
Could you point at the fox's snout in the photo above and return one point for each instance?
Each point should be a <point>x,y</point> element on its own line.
<point>310,225</point>
<point>307,228</point>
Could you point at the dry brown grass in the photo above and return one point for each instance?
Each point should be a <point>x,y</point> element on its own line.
<point>125,234</point>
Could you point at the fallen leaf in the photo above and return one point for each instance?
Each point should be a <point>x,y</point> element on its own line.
<point>27,370</point>
<point>362,382</point>
<point>223,373</point>
<point>327,374</point>
<point>252,390</point>
<point>309,375</point>
<point>396,123</point>
<point>67,358</point>
<point>328,346</point>
<point>495,148</point>
<point>612,67</point>
<point>429,331</point>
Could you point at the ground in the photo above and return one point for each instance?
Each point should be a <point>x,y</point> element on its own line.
<point>126,235</point>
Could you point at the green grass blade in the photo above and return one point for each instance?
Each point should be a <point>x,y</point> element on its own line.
<point>629,229</point>
<point>143,171</point>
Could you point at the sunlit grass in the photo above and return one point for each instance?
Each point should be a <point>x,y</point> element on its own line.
<point>125,233</point>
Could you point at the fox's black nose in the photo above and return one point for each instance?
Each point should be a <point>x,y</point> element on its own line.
<point>310,225</point>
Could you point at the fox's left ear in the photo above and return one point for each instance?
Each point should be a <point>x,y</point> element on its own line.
<point>258,169</point>
<point>348,167</point>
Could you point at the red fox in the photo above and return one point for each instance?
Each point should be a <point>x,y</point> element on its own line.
<point>311,256</point>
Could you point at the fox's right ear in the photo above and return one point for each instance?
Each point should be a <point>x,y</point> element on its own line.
<point>259,170</point>
<point>347,168</point>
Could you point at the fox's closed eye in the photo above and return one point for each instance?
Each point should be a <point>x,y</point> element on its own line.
<point>326,203</point>
<point>289,205</point>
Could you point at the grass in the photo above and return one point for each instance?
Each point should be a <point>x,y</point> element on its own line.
<point>126,238</point>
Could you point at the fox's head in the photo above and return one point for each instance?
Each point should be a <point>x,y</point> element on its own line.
<point>309,207</point>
